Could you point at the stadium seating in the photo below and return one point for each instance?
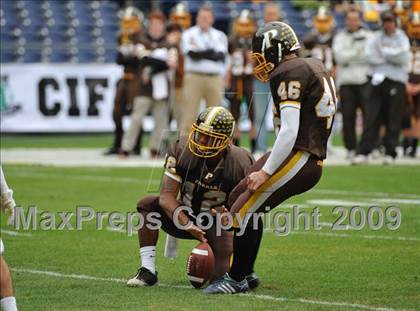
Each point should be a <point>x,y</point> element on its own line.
<point>58,31</point>
<point>86,31</point>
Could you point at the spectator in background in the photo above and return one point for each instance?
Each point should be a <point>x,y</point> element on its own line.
<point>388,55</point>
<point>351,75</point>
<point>239,76</point>
<point>204,49</point>
<point>413,88</point>
<point>128,86</point>
<point>151,54</point>
<point>173,36</point>
<point>180,19</point>
<point>318,43</point>
<point>262,95</point>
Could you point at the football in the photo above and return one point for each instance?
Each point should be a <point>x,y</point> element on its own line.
<point>200,265</point>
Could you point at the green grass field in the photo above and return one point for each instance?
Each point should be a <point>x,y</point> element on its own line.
<point>305,270</point>
<point>91,140</point>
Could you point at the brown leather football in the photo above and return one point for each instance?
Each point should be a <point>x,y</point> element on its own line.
<point>200,265</point>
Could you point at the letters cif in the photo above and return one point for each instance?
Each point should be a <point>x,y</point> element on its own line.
<point>74,110</point>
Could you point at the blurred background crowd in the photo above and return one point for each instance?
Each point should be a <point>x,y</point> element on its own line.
<point>181,56</point>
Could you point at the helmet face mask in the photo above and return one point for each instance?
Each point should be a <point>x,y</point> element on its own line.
<point>211,133</point>
<point>262,68</point>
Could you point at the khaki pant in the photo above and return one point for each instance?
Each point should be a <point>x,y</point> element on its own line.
<point>141,105</point>
<point>197,86</point>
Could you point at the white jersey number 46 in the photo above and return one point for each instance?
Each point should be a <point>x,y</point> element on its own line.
<point>326,106</point>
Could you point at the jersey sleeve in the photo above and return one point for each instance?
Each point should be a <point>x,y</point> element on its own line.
<point>171,163</point>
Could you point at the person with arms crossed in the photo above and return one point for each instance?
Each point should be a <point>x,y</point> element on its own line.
<point>304,97</point>
<point>204,49</point>
<point>203,168</point>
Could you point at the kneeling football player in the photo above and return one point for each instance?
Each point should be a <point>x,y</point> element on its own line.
<point>200,172</point>
<point>304,96</point>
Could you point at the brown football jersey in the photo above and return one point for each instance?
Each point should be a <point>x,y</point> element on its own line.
<point>306,84</point>
<point>202,187</point>
<point>414,64</point>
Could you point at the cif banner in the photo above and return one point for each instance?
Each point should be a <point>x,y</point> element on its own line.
<point>58,97</point>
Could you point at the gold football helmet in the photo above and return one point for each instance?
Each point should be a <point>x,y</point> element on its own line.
<point>180,15</point>
<point>131,22</point>
<point>413,26</point>
<point>212,132</point>
<point>244,25</point>
<point>323,21</point>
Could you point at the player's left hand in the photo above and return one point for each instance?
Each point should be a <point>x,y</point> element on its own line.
<point>256,179</point>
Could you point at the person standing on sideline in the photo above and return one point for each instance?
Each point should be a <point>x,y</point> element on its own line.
<point>412,134</point>
<point>388,53</point>
<point>128,86</point>
<point>351,75</point>
<point>7,300</point>
<point>262,96</point>
<point>205,49</point>
<point>239,76</point>
<point>149,54</point>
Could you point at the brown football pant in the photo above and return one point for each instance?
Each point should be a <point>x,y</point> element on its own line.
<point>298,173</point>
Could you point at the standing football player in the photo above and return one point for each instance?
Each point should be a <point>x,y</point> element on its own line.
<point>202,169</point>
<point>305,102</point>
<point>412,134</point>
<point>240,72</point>
<point>7,300</point>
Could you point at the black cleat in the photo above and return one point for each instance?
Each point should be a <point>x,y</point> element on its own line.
<point>226,285</point>
<point>143,277</point>
<point>253,281</point>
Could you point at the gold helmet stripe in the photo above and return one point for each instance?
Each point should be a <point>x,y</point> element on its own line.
<point>212,115</point>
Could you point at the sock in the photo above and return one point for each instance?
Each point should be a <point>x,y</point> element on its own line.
<point>414,143</point>
<point>8,304</point>
<point>148,258</point>
<point>245,250</point>
<point>406,144</point>
<point>253,145</point>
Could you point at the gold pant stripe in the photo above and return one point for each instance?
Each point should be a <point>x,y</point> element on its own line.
<point>270,182</point>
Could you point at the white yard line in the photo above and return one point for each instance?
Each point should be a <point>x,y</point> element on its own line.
<point>364,193</point>
<point>87,177</point>
<point>14,233</point>
<point>368,237</point>
<point>262,297</point>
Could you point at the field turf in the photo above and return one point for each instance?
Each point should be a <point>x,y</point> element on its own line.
<point>305,270</point>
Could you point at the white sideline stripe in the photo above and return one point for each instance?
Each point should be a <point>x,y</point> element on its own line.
<point>365,193</point>
<point>265,297</point>
<point>88,178</point>
<point>321,302</point>
<point>14,233</point>
<point>339,202</point>
<point>369,237</point>
<point>84,277</point>
<point>200,252</point>
<point>195,279</point>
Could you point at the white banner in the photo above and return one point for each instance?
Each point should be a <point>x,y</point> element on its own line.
<point>65,98</point>
<point>58,97</point>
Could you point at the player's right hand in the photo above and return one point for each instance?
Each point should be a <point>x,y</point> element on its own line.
<point>197,233</point>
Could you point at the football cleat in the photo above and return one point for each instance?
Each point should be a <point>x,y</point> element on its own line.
<point>253,281</point>
<point>227,285</point>
<point>143,277</point>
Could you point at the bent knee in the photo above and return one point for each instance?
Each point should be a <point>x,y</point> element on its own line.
<point>148,204</point>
